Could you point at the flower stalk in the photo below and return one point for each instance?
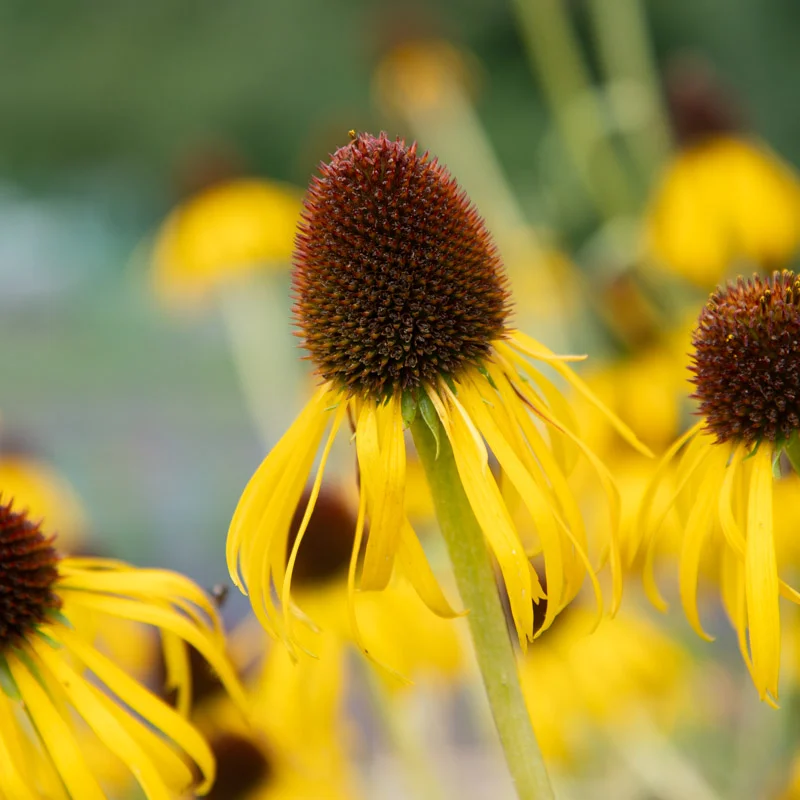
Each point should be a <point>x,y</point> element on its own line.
<point>478,590</point>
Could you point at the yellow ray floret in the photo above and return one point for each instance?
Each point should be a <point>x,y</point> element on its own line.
<point>505,406</point>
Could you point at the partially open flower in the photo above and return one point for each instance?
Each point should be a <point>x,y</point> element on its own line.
<point>56,686</point>
<point>746,370</point>
<point>402,303</point>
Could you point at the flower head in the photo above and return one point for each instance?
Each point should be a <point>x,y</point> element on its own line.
<point>398,281</point>
<point>403,307</point>
<point>746,362</point>
<point>746,372</point>
<point>50,610</point>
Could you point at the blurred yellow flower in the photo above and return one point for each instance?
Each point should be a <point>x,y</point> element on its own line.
<point>45,494</point>
<point>579,683</point>
<point>746,368</point>
<point>48,702</point>
<point>721,201</point>
<point>222,233</point>
<point>421,75</point>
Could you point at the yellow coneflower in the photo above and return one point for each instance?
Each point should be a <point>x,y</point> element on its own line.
<point>746,371</point>
<point>723,201</point>
<point>402,304</point>
<point>725,198</point>
<point>34,484</point>
<point>225,231</point>
<point>49,612</point>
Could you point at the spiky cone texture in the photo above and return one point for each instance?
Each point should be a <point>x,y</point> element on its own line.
<point>222,233</point>
<point>50,611</point>
<point>402,305</point>
<point>721,202</point>
<point>746,371</point>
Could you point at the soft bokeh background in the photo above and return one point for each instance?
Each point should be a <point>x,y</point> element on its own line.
<point>112,113</point>
<point>105,109</point>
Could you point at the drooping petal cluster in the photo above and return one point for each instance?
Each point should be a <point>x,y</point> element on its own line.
<point>51,611</point>
<point>745,370</point>
<point>402,304</point>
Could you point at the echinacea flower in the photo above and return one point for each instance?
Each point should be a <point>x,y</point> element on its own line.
<point>57,687</point>
<point>746,371</point>
<point>403,307</point>
<point>222,233</point>
<point>725,198</point>
<point>37,485</point>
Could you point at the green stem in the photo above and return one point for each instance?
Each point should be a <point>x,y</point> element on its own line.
<point>557,59</point>
<point>627,57</point>
<point>487,622</point>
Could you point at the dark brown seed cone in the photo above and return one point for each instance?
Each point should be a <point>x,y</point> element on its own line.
<point>27,572</point>
<point>747,359</point>
<point>397,279</point>
<point>325,551</point>
<point>242,767</point>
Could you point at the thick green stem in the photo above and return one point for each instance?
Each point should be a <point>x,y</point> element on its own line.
<point>478,590</point>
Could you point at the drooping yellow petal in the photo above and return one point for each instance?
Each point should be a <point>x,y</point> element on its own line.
<point>255,498</point>
<point>286,600</point>
<point>174,622</point>
<point>178,672</point>
<point>382,465</point>
<point>104,723</point>
<point>696,534</point>
<point>535,349</point>
<point>532,496</point>
<point>419,573</point>
<point>761,577</point>
<point>487,504</point>
<point>15,780</point>
<point>147,705</point>
<point>56,734</point>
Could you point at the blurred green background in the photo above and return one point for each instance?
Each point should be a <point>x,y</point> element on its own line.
<point>103,107</point>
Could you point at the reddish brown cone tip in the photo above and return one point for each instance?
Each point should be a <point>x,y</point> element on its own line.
<point>747,359</point>
<point>397,279</point>
<point>242,767</point>
<point>27,572</point>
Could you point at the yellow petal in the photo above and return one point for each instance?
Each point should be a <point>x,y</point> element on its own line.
<point>761,578</point>
<point>146,704</point>
<point>104,723</point>
<point>382,468</point>
<point>696,533</point>
<point>418,571</point>
<point>487,504</point>
<point>537,350</point>
<point>286,600</point>
<point>56,734</point>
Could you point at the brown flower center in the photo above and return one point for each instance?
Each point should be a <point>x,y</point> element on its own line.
<point>27,572</point>
<point>747,359</point>
<point>397,278</point>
